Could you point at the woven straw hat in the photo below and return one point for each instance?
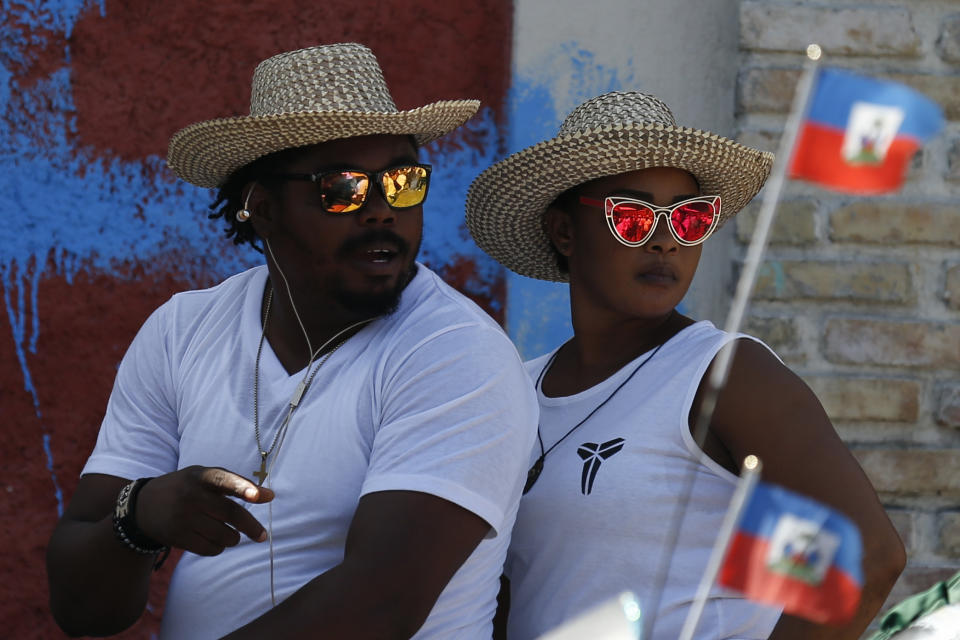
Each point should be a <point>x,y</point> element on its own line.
<point>306,97</point>
<point>611,134</point>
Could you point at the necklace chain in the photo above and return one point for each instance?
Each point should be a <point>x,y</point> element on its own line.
<point>301,389</point>
<point>256,381</point>
<point>534,473</point>
<point>298,394</point>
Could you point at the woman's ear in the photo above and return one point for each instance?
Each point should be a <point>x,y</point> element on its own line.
<point>559,227</point>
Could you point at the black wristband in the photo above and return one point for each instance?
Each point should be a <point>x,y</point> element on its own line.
<point>125,524</point>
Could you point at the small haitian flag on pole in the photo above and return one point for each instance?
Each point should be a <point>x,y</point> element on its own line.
<point>860,133</point>
<point>792,551</point>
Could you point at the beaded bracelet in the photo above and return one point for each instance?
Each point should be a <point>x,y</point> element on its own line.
<point>125,526</point>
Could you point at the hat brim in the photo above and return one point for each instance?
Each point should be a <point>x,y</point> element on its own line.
<point>206,153</point>
<point>505,203</point>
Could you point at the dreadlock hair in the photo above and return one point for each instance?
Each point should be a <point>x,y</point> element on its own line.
<point>229,198</point>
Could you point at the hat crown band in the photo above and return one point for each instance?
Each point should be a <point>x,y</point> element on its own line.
<point>344,77</point>
<point>617,108</point>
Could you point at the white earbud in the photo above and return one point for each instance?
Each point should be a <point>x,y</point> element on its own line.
<point>244,214</point>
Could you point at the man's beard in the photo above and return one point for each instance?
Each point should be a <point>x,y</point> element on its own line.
<point>368,305</point>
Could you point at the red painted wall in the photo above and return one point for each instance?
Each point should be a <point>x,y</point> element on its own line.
<point>138,73</point>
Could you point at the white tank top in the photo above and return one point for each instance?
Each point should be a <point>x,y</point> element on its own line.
<point>596,521</point>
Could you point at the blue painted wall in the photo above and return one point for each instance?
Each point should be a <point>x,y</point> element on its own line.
<point>97,232</point>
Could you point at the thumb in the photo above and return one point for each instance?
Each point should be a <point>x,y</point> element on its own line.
<point>232,484</point>
<point>258,495</point>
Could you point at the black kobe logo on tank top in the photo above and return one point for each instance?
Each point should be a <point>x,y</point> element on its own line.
<point>593,455</point>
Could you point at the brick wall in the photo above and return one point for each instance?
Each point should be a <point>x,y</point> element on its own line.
<point>861,296</point>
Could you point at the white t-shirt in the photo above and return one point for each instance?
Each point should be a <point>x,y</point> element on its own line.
<point>596,521</point>
<point>432,398</point>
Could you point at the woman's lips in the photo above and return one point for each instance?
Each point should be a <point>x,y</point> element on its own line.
<point>659,274</point>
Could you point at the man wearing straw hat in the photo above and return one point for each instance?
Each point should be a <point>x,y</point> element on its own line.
<point>335,438</point>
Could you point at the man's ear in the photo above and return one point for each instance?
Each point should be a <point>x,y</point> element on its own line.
<point>559,227</point>
<point>260,205</point>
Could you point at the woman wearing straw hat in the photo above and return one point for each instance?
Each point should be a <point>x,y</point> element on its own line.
<point>336,439</point>
<point>618,204</point>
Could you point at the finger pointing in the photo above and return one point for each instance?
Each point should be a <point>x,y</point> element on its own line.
<point>231,484</point>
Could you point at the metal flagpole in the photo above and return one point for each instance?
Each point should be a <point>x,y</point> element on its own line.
<point>771,196</point>
<point>748,276</point>
<point>748,480</point>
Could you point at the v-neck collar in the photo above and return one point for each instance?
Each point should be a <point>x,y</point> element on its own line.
<point>272,370</point>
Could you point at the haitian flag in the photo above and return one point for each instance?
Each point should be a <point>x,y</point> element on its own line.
<point>860,132</point>
<point>797,553</point>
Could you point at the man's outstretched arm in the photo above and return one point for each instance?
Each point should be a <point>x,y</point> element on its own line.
<point>98,585</point>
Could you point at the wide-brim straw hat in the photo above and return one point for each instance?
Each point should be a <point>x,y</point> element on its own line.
<point>611,134</point>
<point>307,97</point>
